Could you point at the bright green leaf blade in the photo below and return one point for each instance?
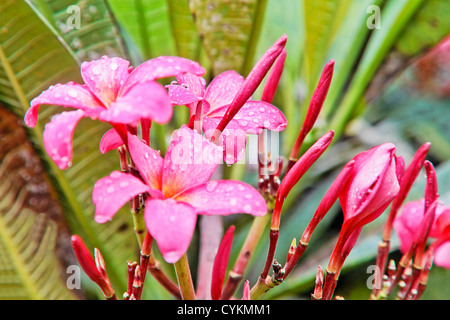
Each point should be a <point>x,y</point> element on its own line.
<point>187,39</point>
<point>147,22</point>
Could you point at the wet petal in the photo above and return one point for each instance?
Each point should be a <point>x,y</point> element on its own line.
<point>147,161</point>
<point>189,160</point>
<point>147,100</point>
<point>181,96</point>
<point>255,116</point>
<point>223,88</point>
<point>112,192</point>
<point>192,82</point>
<point>442,255</point>
<point>161,67</point>
<point>58,134</point>
<point>172,225</point>
<point>111,140</point>
<point>105,77</point>
<point>71,94</point>
<point>224,197</point>
<point>233,139</point>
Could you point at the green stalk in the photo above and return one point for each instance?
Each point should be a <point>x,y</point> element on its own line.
<point>184,278</point>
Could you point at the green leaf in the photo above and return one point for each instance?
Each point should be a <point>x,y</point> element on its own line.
<point>87,26</point>
<point>31,59</point>
<point>187,40</point>
<point>229,31</point>
<point>147,23</point>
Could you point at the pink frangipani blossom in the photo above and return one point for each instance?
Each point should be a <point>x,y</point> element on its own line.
<point>409,220</point>
<point>177,189</point>
<point>216,98</point>
<point>113,92</point>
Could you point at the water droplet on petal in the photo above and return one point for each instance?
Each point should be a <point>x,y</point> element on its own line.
<point>211,185</point>
<point>113,66</point>
<point>115,174</point>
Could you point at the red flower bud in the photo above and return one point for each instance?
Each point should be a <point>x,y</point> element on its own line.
<point>221,263</point>
<point>371,186</point>
<point>314,108</point>
<point>95,270</point>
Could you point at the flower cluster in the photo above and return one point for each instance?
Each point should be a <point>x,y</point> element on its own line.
<point>167,192</point>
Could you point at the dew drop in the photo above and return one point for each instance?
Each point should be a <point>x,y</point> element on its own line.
<point>113,66</point>
<point>211,185</point>
<point>115,174</point>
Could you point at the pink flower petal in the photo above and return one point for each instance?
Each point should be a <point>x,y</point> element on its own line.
<point>224,197</point>
<point>161,67</point>
<point>58,134</point>
<point>407,223</point>
<point>442,255</point>
<point>111,140</point>
<point>223,88</point>
<point>147,100</point>
<point>105,76</point>
<point>172,225</point>
<point>194,83</point>
<point>181,96</point>
<point>255,116</point>
<point>233,138</point>
<point>112,192</point>
<point>72,95</point>
<point>189,160</point>
<point>147,161</point>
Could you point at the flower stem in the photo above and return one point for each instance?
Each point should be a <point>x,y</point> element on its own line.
<point>138,222</point>
<point>184,278</point>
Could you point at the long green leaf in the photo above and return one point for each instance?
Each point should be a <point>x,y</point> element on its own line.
<point>147,23</point>
<point>31,59</point>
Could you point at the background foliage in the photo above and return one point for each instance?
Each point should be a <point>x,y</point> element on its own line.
<point>383,89</point>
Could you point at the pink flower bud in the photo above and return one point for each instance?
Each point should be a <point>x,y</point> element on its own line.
<point>372,184</point>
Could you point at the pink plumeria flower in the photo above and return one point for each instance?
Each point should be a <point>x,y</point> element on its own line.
<point>179,189</point>
<point>216,98</point>
<point>113,92</point>
<point>408,223</point>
